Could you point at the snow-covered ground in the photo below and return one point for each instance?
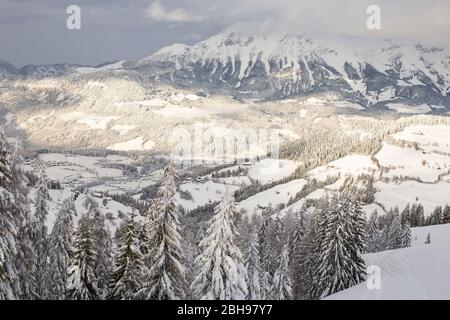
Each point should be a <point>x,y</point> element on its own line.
<point>111,66</point>
<point>269,170</point>
<point>111,209</point>
<point>203,193</point>
<point>137,144</point>
<point>429,138</point>
<point>401,108</point>
<point>408,162</point>
<point>275,196</point>
<point>429,195</point>
<point>351,165</point>
<point>92,121</point>
<point>94,173</point>
<point>418,272</point>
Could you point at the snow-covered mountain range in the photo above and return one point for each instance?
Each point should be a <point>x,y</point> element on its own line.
<point>8,70</point>
<point>279,66</point>
<point>276,66</point>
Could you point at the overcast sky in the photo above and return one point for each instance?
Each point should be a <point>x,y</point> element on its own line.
<point>34,31</point>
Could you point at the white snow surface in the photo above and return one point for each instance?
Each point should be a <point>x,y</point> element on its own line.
<point>137,144</point>
<point>268,170</point>
<point>351,165</point>
<point>111,66</point>
<point>419,272</point>
<point>401,108</point>
<point>275,196</point>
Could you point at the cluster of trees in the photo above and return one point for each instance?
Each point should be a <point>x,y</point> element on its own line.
<point>414,215</point>
<point>226,173</point>
<point>306,255</point>
<point>324,145</point>
<point>439,216</point>
<point>392,231</point>
<point>388,232</point>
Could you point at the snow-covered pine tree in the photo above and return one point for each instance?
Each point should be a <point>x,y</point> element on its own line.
<point>358,242</point>
<point>282,286</point>
<point>104,263</point>
<point>406,237</point>
<point>129,264</point>
<point>222,272</point>
<point>253,267</point>
<point>296,254</point>
<point>81,282</point>
<point>437,216</point>
<point>417,215</point>
<point>312,285</point>
<point>373,234</point>
<point>446,214</point>
<point>265,281</point>
<point>190,251</point>
<point>25,258</point>
<point>8,227</point>
<point>406,214</point>
<point>164,279</point>
<point>267,245</point>
<point>395,234</point>
<point>278,225</point>
<point>339,267</point>
<point>60,251</point>
<point>104,258</point>
<point>40,237</point>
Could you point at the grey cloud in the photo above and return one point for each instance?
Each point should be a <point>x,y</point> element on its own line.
<point>33,31</point>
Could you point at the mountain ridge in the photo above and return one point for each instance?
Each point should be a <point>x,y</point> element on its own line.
<point>277,66</point>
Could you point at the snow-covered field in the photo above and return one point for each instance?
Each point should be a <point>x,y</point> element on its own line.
<point>429,138</point>
<point>275,196</point>
<point>137,144</point>
<point>95,173</point>
<point>92,121</point>
<point>351,165</point>
<point>401,108</point>
<point>203,193</point>
<point>269,170</point>
<point>112,210</point>
<point>418,272</point>
<point>429,195</point>
<point>408,162</point>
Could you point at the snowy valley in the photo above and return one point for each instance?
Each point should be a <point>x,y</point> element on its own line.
<point>296,148</point>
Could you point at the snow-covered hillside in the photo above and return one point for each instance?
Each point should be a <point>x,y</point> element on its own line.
<point>419,272</point>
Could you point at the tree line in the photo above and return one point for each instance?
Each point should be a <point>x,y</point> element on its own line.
<point>308,254</point>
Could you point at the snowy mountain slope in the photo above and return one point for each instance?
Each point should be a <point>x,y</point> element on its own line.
<point>7,69</point>
<point>104,67</point>
<point>278,195</point>
<point>276,66</point>
<point>411,167</point>
<point>419,272</point>
<point>401,173</point>
<point>39,71</point>
<point>114,211</point>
